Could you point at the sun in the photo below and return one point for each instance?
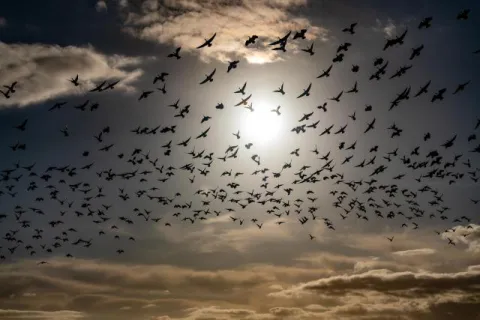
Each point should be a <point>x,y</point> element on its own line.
<point>262,126</point>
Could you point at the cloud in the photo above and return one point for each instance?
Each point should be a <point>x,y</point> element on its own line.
<point>187,23</point>
<point>101,5</point>
<point>224,218</point>
<point>375,263</point>
<point>126,308</point>
<point>389,28</point>
<point>29,294</point>
<point>386,281</point>
<point>468,235</point>
<point>474,268</point>
<point>243,293</point>
<point>42,71</point>
<point>47,315</point>
<point>3,22</point>
<point>415,252</point>
<point>214,236</point>
<point>98,278</point>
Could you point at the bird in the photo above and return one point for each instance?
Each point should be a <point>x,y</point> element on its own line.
<point>416,52</point>
<point>241,90</point>
<point>22,126</point>
<point>300,34</point>
<point>160,77</point>
<point>309,50</point>
<point>145,95</point>
<point>5,94</point>
<point>351,28</point>
<point>337,97</point>
<point>463,15</point>
<point>277,110</point>
<point>461,87</point>
<point>282,41</point>
<point>175,54</point>
<point>208,42</point>
<point>325,73</point>
<point>203,134</point>
<point>99,87</point>
<point>74,81</point>
<point>243,101</point>
<point>306,92</point>
<point>251,40</point>
<point>425,23</point>
<point>280,90</point>
<point>232,65</point>
<point>209,77</point>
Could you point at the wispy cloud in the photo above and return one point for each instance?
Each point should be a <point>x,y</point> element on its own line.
<point>187,23</point>
<point>415,252</point>
<point>42,71</point>
<point>384,280</point>
<point>388,28</point>
<point>216,236</point>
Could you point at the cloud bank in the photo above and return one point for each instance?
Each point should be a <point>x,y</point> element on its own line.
<point>82,288</point>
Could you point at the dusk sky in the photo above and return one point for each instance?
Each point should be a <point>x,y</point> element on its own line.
<point>328,171</point>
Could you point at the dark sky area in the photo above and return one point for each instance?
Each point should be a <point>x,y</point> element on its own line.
<point>344,187</point>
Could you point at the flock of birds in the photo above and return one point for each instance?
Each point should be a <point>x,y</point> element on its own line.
<point>40,232</point>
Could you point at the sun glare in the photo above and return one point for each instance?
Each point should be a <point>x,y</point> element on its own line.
<point>262,126</point>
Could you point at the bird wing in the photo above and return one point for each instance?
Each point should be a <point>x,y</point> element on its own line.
<point>202,45</point>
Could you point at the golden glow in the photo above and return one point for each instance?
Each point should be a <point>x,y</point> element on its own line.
<point>261,57</point>
<point>257,59</point>
<point>262,126</point>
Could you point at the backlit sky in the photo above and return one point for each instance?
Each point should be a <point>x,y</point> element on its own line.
<point>390,233</point>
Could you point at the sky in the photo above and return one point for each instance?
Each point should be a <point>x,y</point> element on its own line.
<point>124,210</point>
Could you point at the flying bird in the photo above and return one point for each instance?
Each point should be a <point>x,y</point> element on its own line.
<point>74,81</point>
<point>325,73</point>
<point>280,90</point>
<point>209,77</point>
<point>145,95</point>
<point>425,23</point>
<point>281,41</point>
<point>232,65</point>
<point>300,34</point>
<point>244,101</point>
<point>175,54</point>
<point>306,92</point>
<point>350,29</point>
<point>309,50</point>
<point>208,42</point>
<point>242,89</point>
